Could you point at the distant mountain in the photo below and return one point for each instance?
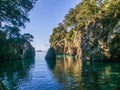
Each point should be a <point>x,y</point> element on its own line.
<point>39,51</point>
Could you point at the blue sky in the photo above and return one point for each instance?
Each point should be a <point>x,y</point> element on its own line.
<point>46,15</point>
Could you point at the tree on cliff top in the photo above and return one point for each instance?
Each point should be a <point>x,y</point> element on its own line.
<point>106,12</point>
<point>13,16</point>
<point>15,12</point>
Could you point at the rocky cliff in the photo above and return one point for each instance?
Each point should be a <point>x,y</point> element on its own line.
<point>96,43</point>
<point>94,32</point>
<point>101,43</point>
<point>16,50</point>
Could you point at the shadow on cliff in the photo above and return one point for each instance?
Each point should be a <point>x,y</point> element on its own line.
<point>51,58</point>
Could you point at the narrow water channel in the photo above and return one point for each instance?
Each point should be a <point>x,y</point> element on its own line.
<point>65,73</point>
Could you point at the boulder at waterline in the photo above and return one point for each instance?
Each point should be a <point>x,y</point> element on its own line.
<point>50,54</point>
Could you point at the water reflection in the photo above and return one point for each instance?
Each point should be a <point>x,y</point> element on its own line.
<point>67,71</point>
<point>51,64</point>
<point>12,73</point>
<point>64,73</point>
<point>102,76</point>
<point>73,74</point>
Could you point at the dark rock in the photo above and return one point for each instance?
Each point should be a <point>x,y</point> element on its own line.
<point>50,54</point>
<point>16,50</point>
<point>28,51</point>
<point>39,51</point>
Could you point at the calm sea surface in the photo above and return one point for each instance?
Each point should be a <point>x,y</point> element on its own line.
<point>64,73</point>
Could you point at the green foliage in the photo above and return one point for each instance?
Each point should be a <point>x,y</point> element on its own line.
<point>28,37</point>
<point>70,35</point>
<point>70,18</point>
<point>15,12</point>
<point>57,34</point>
<point>111,14</point>
<point>13,16</point>
<point>105,12</point>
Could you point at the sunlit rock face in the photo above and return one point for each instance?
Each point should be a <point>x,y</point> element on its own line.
<point>73,47</point>
<point>96,43</point>
<point>70,47</point>
<point>100,44</point>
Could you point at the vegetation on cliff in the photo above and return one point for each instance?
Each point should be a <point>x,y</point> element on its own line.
<point>13,16</point>
<point>91,31</point>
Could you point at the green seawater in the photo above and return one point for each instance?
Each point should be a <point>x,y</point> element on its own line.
<point>64,73</point>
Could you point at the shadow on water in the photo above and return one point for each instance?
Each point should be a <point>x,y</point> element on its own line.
<point>73,74</point>
<point>51,58</point>
<point>12,72</point>
<point>51,64</point>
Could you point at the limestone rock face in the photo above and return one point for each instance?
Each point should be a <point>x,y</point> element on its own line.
<point>96,43</point>
<point>70,47</point>
<point>101,43</point>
